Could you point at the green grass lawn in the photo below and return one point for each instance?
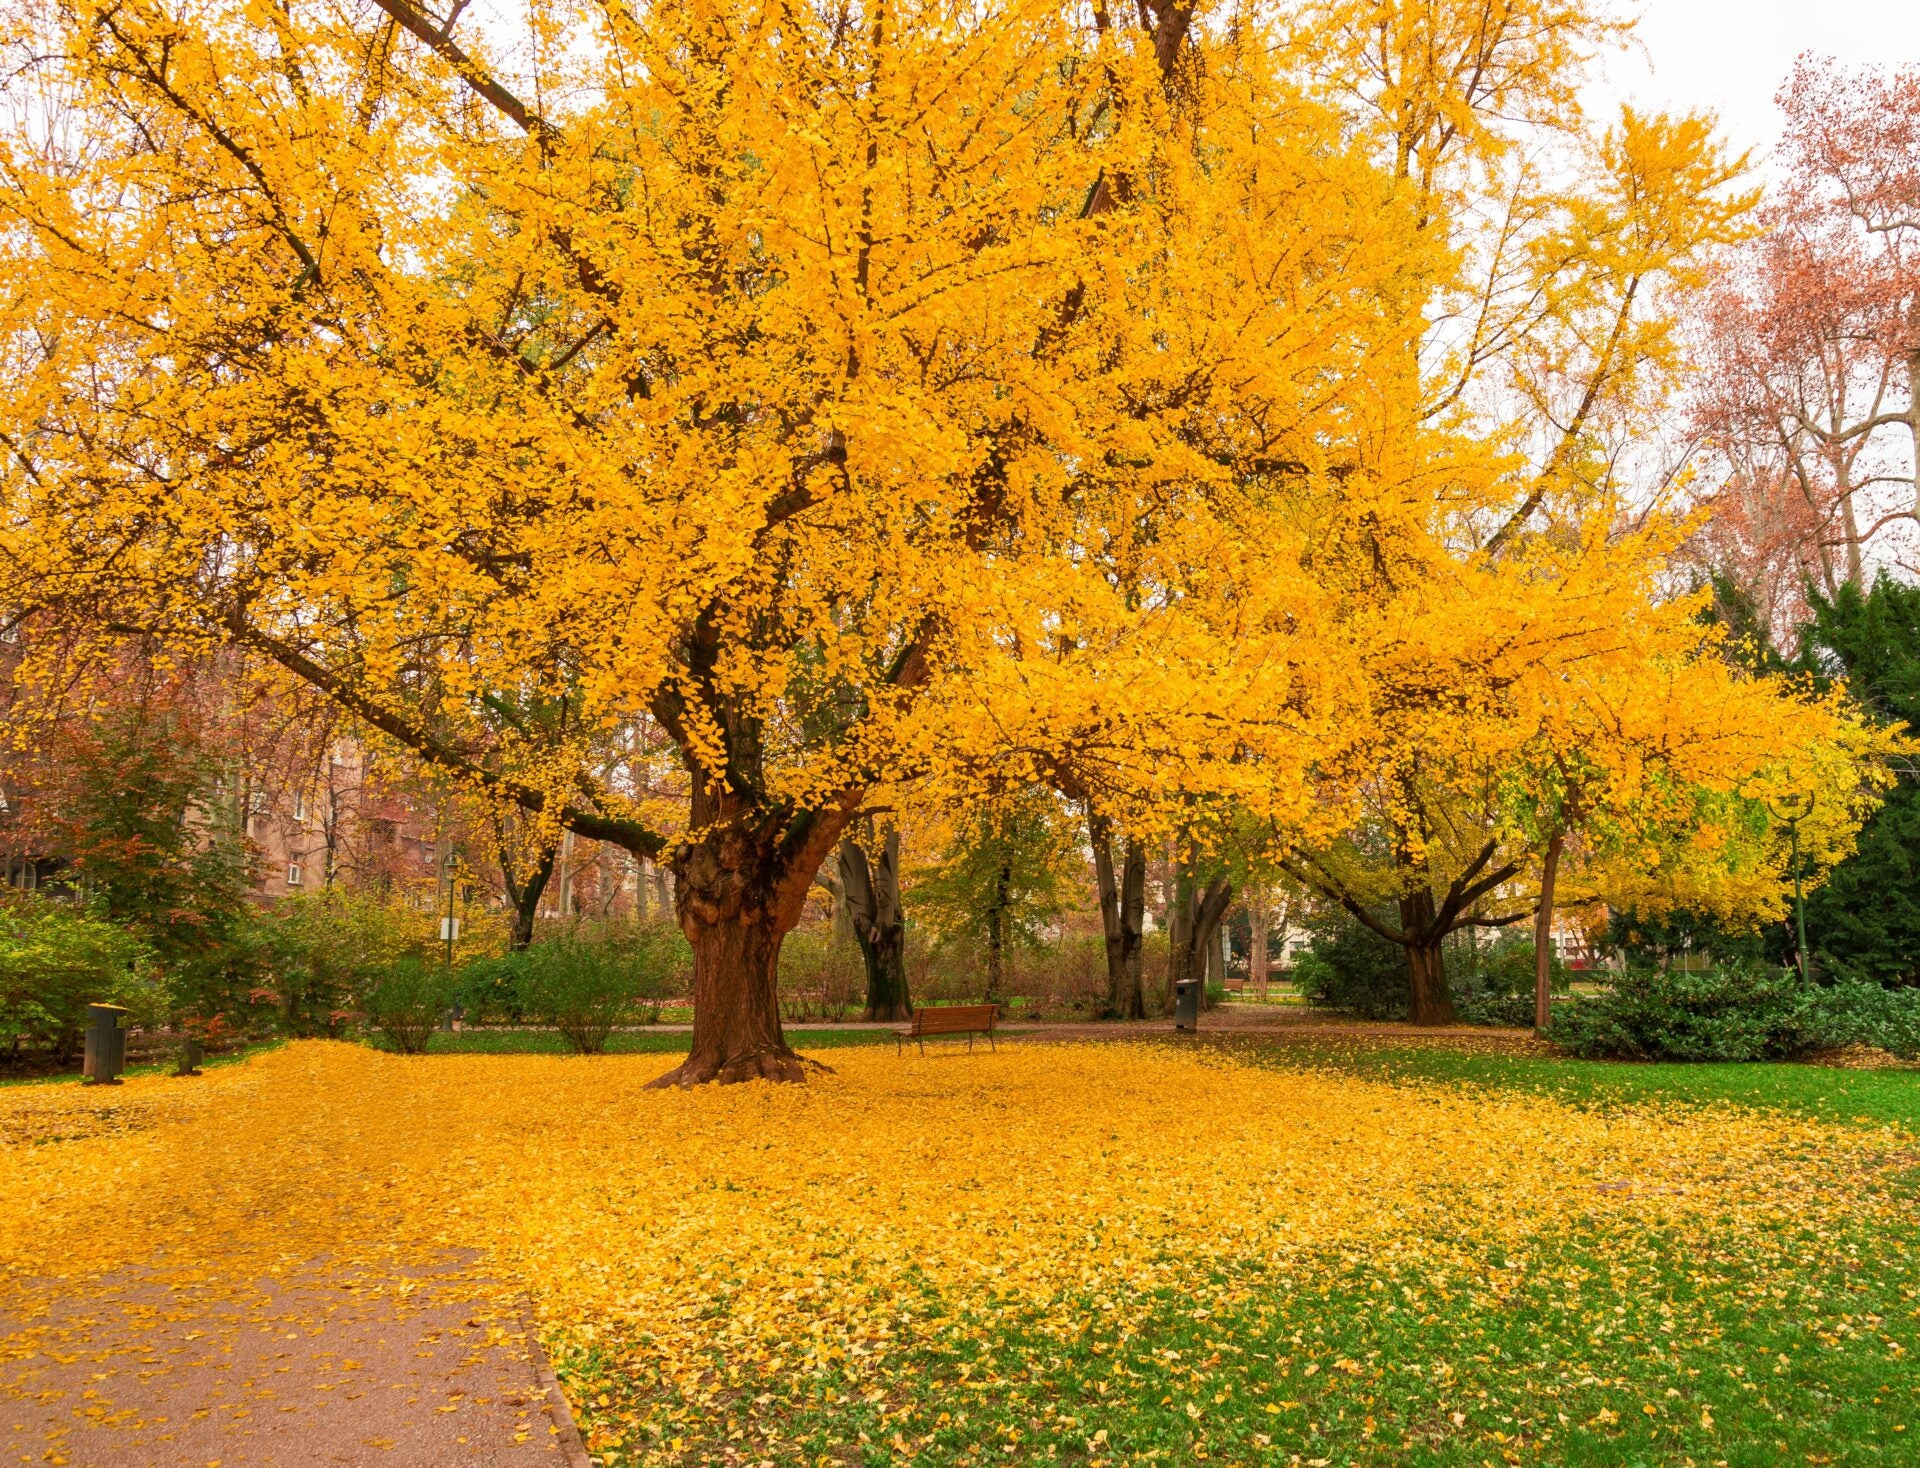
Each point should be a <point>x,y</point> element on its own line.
<point>1877,1097</point>
<point>1607,1342</point>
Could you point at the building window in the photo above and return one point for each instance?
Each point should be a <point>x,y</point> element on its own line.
<point>293,874</point>
<point>300,807</point>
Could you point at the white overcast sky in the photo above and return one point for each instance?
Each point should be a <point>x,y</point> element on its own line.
<point>1732,57</point>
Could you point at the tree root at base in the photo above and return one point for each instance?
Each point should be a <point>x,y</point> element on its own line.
<point>757,1065</point>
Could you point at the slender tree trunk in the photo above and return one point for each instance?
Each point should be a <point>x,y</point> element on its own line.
<point>1123,903</point>
<point>997,935</point>
<point>1259,916</point>
<point>1913,416</point>
<point>1428,1000</point>
<point>640,890</point>
<point>1543,936</point>
<point>869,889</point>
<point>1133,926</point>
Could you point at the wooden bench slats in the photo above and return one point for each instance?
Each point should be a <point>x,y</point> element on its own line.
<point>950,1019</point>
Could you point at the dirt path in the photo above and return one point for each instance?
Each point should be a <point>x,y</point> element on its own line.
<point>409,1370</point>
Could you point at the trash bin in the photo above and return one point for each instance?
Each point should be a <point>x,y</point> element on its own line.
<point>1186,1004</point>
<point>106,1044</point>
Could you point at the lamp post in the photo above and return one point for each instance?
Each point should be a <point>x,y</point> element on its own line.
<point>447,927</point>
<point>1794,808</point>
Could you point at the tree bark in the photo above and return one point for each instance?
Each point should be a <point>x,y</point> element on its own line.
<point>1428,999</point>
<point>1259,915</point>
<point>738,890</point>
<point>1123,906</point>
<point>525,900</point>
<point>1193,925</point>
<point>1543,936</point>
<point>870,889</point>
<point>997,935</point>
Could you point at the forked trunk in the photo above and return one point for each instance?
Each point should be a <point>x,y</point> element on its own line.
<point>525,899</point>
<point>1123,908</point>
<point>870,892</point>
<point>1193,926</point>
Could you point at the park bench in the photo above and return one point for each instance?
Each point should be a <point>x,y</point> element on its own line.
<point>1234,986</point>
<point>949,1019</point>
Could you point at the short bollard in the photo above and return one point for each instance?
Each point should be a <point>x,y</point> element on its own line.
<point>189,1057</point>
<point>106,1044</point>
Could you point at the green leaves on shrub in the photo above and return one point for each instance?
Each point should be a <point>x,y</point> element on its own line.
<point>406,998</point>
<point>588,980</point>
<point>56,958</point>
<point>1735,1012</point>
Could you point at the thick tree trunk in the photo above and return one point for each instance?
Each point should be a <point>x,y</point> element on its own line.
<point>870,892</point>
<point>1123,906</point>
<point>739,890</point>
<point>1543,936</point>
<point>1428,1000</point>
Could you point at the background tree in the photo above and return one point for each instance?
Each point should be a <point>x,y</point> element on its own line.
<point>1002,877</point>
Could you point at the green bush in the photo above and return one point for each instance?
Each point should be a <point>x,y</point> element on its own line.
<point>1352,968</point>
<point>56,958</point>
<point>587,980</point>
<point>1857,1011</point>
<point>324,950</point>
<point>405,998</point>
<point>1493,985</point>
<point>1733,1012</point>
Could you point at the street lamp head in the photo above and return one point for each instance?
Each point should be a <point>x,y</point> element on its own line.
<point>1792,807</point>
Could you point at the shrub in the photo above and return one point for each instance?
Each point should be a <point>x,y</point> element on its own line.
<point>821,974</point>
<point>1494,985</point>
<point>588,980</point>
<point>56,958</point>
<point>1352,968</point>
<point>325,949</point>
<point>1734,1012</point>
<point>405,998</point>
<point>1857,1011</point>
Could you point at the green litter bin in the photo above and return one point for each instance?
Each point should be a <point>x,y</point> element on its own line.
<point>106,1044</point>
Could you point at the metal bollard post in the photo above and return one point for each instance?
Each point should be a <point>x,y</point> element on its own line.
<point>106,1044</point>
<point>189,1057</point>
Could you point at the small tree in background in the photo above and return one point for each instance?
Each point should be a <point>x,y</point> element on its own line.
<point>157,834</point>
<point>1003,877</point>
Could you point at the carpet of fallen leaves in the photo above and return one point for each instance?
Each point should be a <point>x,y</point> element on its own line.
<point>789,1229</point>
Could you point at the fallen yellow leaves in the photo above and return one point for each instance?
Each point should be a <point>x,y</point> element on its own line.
<point>795,1226</point>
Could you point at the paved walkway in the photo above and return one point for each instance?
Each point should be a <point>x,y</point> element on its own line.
<point>414,1370</point>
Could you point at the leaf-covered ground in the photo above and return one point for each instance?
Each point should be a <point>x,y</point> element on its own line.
<point>1081,1253</point>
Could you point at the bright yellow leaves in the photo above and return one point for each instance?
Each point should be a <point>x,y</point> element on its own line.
<point>822,1223</point>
